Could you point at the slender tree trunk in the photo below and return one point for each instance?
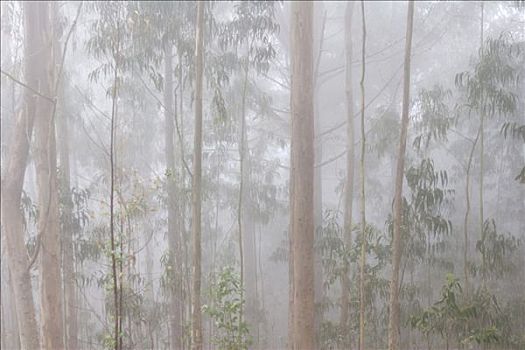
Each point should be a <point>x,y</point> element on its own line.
<point>393,320</point>
<point>112,150</point>
<point>196,184</point>
<point>173,224</point>
<point>246,222</point>
<point>319,35</point>
<point>68,253</point>
<point>185,282</point>
<point>242,171</point>
<point>291,286</point>
<point>68,262</point>
<point>481,164</point>
<point>363,194</point>
<point>349,183</point>
<point>13,179</point>
<point>467,213</point>
<point>302,174</point>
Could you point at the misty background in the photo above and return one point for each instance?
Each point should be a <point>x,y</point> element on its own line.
<point>98,109</point>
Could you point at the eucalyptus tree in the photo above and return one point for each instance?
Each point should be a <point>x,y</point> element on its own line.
<point>157,32</point>
<point>350,164</point>
<point>362,259</point>
<point>393,321</point>
<point>36,25</point>
<point>169,116</point>
<point>61,40</point>
<point>48,220</point>
<point>488,92</point>
<point>109,43</point>
<point>250,33</point>
<point>196,325</point>
<point>302,175</point>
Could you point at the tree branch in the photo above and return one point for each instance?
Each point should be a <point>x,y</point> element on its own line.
<point>36,92</point>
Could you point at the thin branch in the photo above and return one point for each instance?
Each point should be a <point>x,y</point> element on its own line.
<point>66,42</point>
<point>330,160</point>
<point>36,92</point>
<point>343,123</point>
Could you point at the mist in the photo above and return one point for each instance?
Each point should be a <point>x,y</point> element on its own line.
<point>262,175</point>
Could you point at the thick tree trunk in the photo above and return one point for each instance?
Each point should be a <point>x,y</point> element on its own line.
<point>36,29</point>
<point>302,175</point>
<point>9,336</point>
<point>196,184</point>
<point>393,320</point>
<point>48,220</point>
<point>10,331</point>
<point>350,154</point>
<point>173,224</point>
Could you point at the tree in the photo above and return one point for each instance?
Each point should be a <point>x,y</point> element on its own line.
<point>169,149</point>
<point>350,155</point>
<point>393,320</point>
<point>48,220</point>
<point>231,332</point>
<point>363,194</point>
<point>302,174</point>
<point>254,51</point>
<point>196,329</point>
<point>35,27</point>
<point>66,203</point>
<point>109,43</point>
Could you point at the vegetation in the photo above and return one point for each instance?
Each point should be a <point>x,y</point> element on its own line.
<point>262,175</point>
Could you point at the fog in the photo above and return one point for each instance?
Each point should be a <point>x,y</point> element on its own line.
<point>263,175</point>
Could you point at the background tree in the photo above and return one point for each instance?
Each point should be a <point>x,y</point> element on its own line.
<point>196,184</point>
<point>13,179</point>
<point>301,175</point>
<point>393,321</point>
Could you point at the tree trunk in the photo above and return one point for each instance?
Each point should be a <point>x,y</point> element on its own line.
<point>173,224</point>
<point>13,179</point>
<point>9,336</point>
<point>467,213</point>
<point>68,254</point>
<point>113,161</point>
<point>291,286</point>
<point>196,184</point>
<point>319,35</point>
<point>363,198</point>
<point>48,220</point>
<point>242,171</point>
<point>481,166</point>
<point>302,175</point>
<point>68,263</point>
<point>393,320</point>
<point>10,331</point>
<point>349,183</point>
<point>246,223</point>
